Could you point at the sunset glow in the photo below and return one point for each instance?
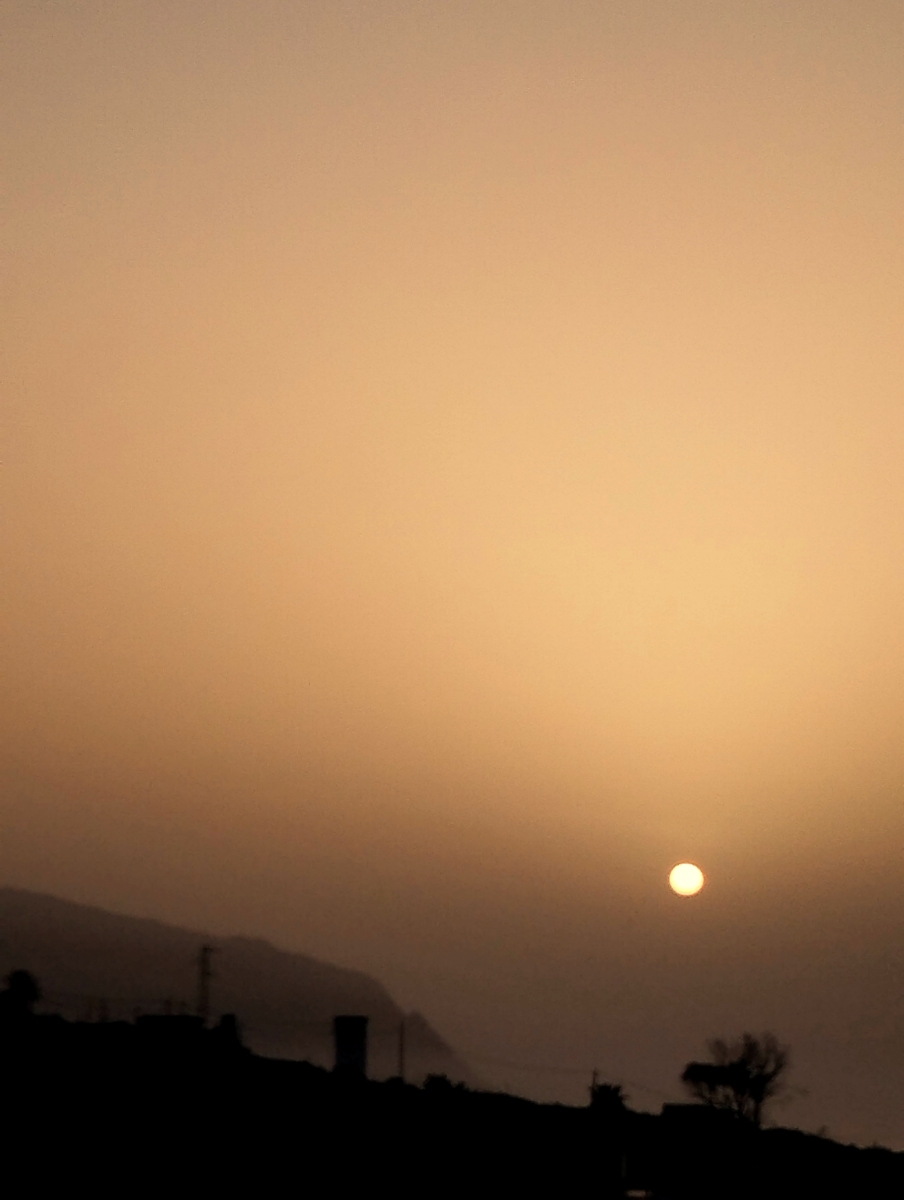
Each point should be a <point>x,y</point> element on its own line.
<point>453,457</point>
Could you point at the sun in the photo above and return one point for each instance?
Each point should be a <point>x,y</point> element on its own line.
<point>686,879</point>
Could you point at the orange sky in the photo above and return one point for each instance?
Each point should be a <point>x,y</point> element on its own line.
<point>452,466</point>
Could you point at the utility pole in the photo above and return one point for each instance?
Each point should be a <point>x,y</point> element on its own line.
<point>402,1049</point>
<point>204,976</point>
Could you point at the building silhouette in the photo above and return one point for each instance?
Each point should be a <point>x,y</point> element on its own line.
<point>170,1101</point>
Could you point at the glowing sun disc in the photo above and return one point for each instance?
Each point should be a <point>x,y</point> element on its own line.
<point>686,879</point>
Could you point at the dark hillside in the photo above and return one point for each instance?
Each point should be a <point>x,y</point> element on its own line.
<point>92,962</point>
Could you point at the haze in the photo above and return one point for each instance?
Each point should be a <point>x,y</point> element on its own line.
<point>452,473</point>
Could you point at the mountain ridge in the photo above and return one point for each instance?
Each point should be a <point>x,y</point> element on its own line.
<point>93,964</point>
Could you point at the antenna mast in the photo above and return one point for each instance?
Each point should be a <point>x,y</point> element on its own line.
<point>205,974</point>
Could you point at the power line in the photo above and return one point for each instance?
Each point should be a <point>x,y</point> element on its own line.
<point>205,973</point>
<point>396,1032</point>
<point>548,1068</point>
<point>504,1062</point>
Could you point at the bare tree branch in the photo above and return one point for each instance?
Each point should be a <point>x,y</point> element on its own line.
<point>743,1076</point>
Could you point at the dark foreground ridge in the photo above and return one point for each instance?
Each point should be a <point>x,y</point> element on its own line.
<point>169,1102</point>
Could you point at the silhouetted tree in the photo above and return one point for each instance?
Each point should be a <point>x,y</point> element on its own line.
<point>743,1076</point>
<point>21,995</point>
<point>607,1098</point>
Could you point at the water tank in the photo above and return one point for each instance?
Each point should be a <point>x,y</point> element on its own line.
<point>350,1039</point>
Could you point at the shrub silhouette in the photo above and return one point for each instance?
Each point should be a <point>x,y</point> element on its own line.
<point>21,995</point>
<point>743,1076</point>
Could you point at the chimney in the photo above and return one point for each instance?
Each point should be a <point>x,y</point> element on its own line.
<point>350,1038</point>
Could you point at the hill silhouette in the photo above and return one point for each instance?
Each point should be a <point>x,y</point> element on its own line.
<point>94,963</point>
<point>140,1100</point>
<point>170,1101</point>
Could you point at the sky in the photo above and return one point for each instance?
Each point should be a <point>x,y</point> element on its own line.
<point>451,472</point>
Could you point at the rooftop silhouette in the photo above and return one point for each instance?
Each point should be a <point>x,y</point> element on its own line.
<point>174,1096</point>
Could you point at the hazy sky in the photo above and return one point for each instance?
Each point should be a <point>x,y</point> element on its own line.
<point>452,470</point>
